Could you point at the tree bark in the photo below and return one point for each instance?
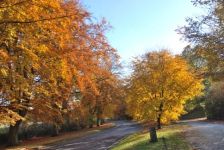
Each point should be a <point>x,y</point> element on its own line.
<point>102,121</point>
<point>159,122</point>
<point>90,125</point>
<point>98,120</point>
<point>55,130</point>
<point>153,135</point>
<point>13,134</point>
<point>159,116</point>
<point>91,121</point>
<point>13,130</point>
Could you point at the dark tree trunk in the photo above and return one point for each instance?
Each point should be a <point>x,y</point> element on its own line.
<point>90,125</point>
<point>13,130</point>
<point>91,121</point>
<point>153,135</point>
<point>13,134</point>
<point>159,122</point>
<point>55,130</point>
<point>159,115</point>
<point>98,121</point>
<point>98,115</point>
<point>102,121</point>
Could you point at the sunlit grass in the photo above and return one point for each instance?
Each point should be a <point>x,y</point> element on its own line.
<point>140,141</point>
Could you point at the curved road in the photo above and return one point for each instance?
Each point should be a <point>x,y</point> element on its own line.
<point>98,141</point>
<point>205,135</point>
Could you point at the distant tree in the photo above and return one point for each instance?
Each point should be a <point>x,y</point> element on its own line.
<point>102,103</point>
<point>215,101</point>
<point>195,60</point>
<point>205,33</point>
<point>159,86</point>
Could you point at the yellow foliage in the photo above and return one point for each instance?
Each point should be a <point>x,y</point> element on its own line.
<point>159,86</point>
<point>46,49</point>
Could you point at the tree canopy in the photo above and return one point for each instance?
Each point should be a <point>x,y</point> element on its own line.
<point>205,33</point>
<point>48,49</point>
<point>159,86</point>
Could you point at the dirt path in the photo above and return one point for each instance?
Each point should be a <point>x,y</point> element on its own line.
<point>204,135</point>
<point>99,141</point>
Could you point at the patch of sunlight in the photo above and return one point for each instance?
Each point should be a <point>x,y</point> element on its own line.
<point>140,141</point>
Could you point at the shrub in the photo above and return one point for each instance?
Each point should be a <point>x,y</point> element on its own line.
<point>35,130</point>
<point>3,134</point>
<point>215,101</point>
<point>194,108</point>
<point>38,129</point>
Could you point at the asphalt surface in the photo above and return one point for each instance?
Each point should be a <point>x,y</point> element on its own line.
<point>205,135</point>
<point>102,140</point>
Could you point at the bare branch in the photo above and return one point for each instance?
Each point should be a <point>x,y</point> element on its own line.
<point>33,21</point>
<point>19,3</point>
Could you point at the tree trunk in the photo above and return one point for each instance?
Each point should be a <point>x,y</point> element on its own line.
<point>102,121</point>
<point>55,130</point>
<point>98,115</point>
<point>159,122</point>
<point>13,134</point>
<point>90,125</point>
<point>98,121</point>
<point>159,116</point>
<point>90,121</point>
<point>153,135</point>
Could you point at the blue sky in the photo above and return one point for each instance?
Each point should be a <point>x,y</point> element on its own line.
<point>142,25</point>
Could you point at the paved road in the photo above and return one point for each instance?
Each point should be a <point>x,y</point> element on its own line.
<point>99,141</point>
<point>204,135</point>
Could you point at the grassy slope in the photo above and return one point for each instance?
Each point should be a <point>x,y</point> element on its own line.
<point>140,141</point>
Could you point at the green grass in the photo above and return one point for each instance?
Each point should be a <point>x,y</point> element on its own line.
<point>140,141</point>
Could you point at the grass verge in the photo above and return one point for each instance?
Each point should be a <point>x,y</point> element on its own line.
<point>140,141</point>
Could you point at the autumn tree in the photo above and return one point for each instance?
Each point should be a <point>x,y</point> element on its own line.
<point>107,99</point>
<point>29,53</point>
<point>44,56</point>
<point>215,101</point>
<point>205,33</point>
<point>101,103</point>
<point>159,86</point>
